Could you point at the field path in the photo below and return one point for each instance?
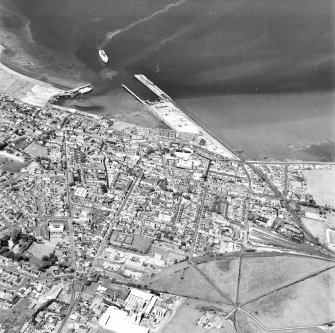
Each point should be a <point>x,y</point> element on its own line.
<point>288,285</point>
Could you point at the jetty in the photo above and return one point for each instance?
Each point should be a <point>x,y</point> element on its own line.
<point>74,92</point>
<point>166,110</point>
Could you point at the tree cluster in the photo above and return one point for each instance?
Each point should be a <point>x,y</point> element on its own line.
<point>17,237</point>
<point>48,261</point>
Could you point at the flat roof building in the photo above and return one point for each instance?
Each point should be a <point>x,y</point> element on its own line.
<point>330,238</point>
<point>117,321</point>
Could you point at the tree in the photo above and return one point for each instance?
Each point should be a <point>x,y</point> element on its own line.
<point>9,255</point>
<point>150,150</point>
<point>16,236</point>
<point>6,237</point>
<point>24,237</point>
<point>45,258</point>
<point>3,243</point>
<point>52,255</point>
<point>3,250</point>
<point>251,216</point>
<point>18,256</point>
<point>46,264</point>
<point>53,260</point>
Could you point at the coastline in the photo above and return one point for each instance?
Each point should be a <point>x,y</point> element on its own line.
<point>298,149</point>
<point>30,75</point>
<point>19,74</point>
<point>25,88</point>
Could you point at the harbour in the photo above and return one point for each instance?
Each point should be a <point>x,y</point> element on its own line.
<point>166,110</point>
<point>276,121</point>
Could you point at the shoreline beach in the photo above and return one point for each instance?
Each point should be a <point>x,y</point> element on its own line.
<point>25,88</point>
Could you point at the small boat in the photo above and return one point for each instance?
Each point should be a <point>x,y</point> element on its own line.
<point>103,56</point>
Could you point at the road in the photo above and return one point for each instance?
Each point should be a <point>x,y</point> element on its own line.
<point>69,310</point>
<point>106,170</point>
<point>296,219</point>
<point>285,179</point>
<point>70,220</point>
<point>111,226</point>
<point>279,195</point>
<point>288,163</point>
<point>292,329</point>
<point>248,177</point>
<point>303,278</point>
<point>72,242</point>
<point>246,221</point>
<point>198,220</point>
<point>214,286</point>
<point>75,296</point>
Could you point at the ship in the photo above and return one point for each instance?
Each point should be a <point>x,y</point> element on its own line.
<point>103,56</point>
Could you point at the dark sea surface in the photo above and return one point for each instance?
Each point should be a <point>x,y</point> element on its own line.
<point>260,74</point>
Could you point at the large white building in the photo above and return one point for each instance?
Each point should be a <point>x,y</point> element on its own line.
<point>138,299</point>
<point>118,321</point>
<point>56,229</point>
<point>330,238</point>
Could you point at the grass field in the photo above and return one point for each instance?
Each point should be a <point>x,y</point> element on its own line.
<point>40,250</point>
<point>260,275</point>
<point>317,228</point>
<point>305,297</point>
<point>245,324</point>
<point>320,184</point>
<point>306,303</point>
<point>182,279</point>
<point>131,242</point>
<point>167,254</point>
<point>10,165</point>
<point>36,150</point>
<point>16,317</point>
<point>185,320</point>
<point>330,221</point>
<point>224,274</point>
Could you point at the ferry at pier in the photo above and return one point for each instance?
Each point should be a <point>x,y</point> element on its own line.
<point>103,56</point>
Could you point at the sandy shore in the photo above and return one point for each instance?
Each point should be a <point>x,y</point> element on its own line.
<point>25,88</point>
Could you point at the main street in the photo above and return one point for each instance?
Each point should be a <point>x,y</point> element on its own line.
<point>76,295</point>
<point>111,226</point>
<point>246,221</point>
<point>70,220</point>
<point>72,242</point>
<point>197,225</point>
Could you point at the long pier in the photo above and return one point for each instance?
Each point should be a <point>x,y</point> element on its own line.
<point>149,84</point>
<point>167,111</point>
<point>132,93</point>
<point>80,90</point>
